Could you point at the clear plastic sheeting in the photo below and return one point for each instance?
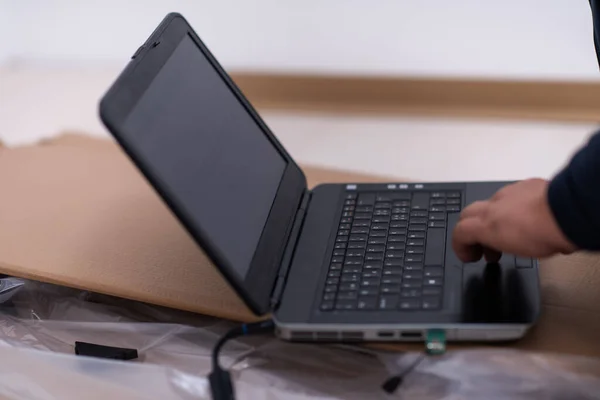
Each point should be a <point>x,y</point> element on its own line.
<point>40,323</point>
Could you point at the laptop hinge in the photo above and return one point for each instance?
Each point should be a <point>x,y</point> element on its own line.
<point>286,260</point>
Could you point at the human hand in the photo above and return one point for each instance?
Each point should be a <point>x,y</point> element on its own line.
<point>516,220</point>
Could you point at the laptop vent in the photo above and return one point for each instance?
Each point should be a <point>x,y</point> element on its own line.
<point>325,336</point>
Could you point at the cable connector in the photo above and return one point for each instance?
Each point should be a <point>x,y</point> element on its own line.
<point>221,385</point>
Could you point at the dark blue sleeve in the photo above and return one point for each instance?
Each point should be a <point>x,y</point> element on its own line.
<point>574,194</point>
<point>574,197</point>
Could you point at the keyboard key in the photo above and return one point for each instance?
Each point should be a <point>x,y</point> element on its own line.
<point>380,213</point>
<point>327,305</point>
<point>417,228</point>
<point>412,274</point>
<point>433,272</point>
<point>341,239</point>
<point>413,267</point>
<point>347,214</point>
<point>357,245</point>
<point>400,195</point>
<point>390,289</point>
<point>381,219</point>
<point>437,224</point>
<point>350,202</point>
<point>378,234</point>
<point>367,303</point>
<point>374,256</point>
<point>420,201</point>
<point>437,217</point>
<point>355,253</point>
<point>397,238</point>
<point>346,220</point>
<point>345,226</point>
<point>453,194</point>
<point>391,279</point>
<point>377,240</point>
<point>412,284</point>
<point>414,250</point>
<point>415,242</point>
<point>453,208</point>
<point>329,297</point>
<point>453,201</point>
<point>416,235</point>
<point>372,273</point>
<point>348,286</point>
<point>383,197</point>
<point>373,265</point>
<point>353,261</point>
<point>418,221</point>
<point>431,303</point>
<point>351,270</point>
<point>330,288</point>
<point>337,259</point>
<point>436,244</point>
<point>335,267</point>
<point>438,202</point>
<point>398,231</point>
<point>413,258</point>
<point>392,271</point>
<point>361,224</point>
<point>522,262</point>
<point>362,216</point>
<point>410,305</point>
<point>379,206</point>
<point>341,245</point>
<point>410,293</point>
<point>418,214</point>
<point>432,282</point>
<point>339,252</point>
<point>375,249</point>
<point>348,208</point>
<point>398,224</point>
<point>401,203</point>
<point>364,209</point>
<point>369,282</point>
<point>394,254</point>
<point>347,295</point>
<point>437,208</point>
<point>345,305</point>
<point>395,246</point>
<point>388,302</point>
<point>366,199</point>
<point>334,274</point>
<point>432,291</point>
<point>351,195</point>
<point>349,278</point>
<point>380,227</point>
<point>358,238</point>
<point>437,195</point>
<point>368,291</point>
<point>391,262</point>
<point>358,231</point>
<point>399,217</point>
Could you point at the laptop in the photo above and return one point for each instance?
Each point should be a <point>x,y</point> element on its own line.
<point>340,262</point>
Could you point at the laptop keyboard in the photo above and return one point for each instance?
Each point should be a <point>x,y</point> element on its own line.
<point>389,251</point>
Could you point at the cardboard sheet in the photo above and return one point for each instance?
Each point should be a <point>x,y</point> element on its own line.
<point>75,211</point>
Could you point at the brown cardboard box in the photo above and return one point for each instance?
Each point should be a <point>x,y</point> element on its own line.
<point>75,211</point>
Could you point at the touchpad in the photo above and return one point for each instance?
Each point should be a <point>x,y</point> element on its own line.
<point>497,292</point>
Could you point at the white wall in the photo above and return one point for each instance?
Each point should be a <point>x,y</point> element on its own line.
<point>510,38</point>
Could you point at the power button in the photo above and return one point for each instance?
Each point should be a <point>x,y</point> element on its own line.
<point>137,52</point>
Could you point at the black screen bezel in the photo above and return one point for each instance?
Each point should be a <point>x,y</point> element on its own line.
<point>116,105</point>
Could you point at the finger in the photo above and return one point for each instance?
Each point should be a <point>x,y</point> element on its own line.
<point>475,209</point>
<point>491,255</point>
<point>466,239</point>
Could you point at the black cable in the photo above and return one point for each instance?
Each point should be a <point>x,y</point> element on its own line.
<point>393,382</point>
<point>221,386</point>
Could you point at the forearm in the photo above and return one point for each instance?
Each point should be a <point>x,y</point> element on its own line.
<point>574,197</point>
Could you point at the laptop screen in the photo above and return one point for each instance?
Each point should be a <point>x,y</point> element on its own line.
<point>208,152</point>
